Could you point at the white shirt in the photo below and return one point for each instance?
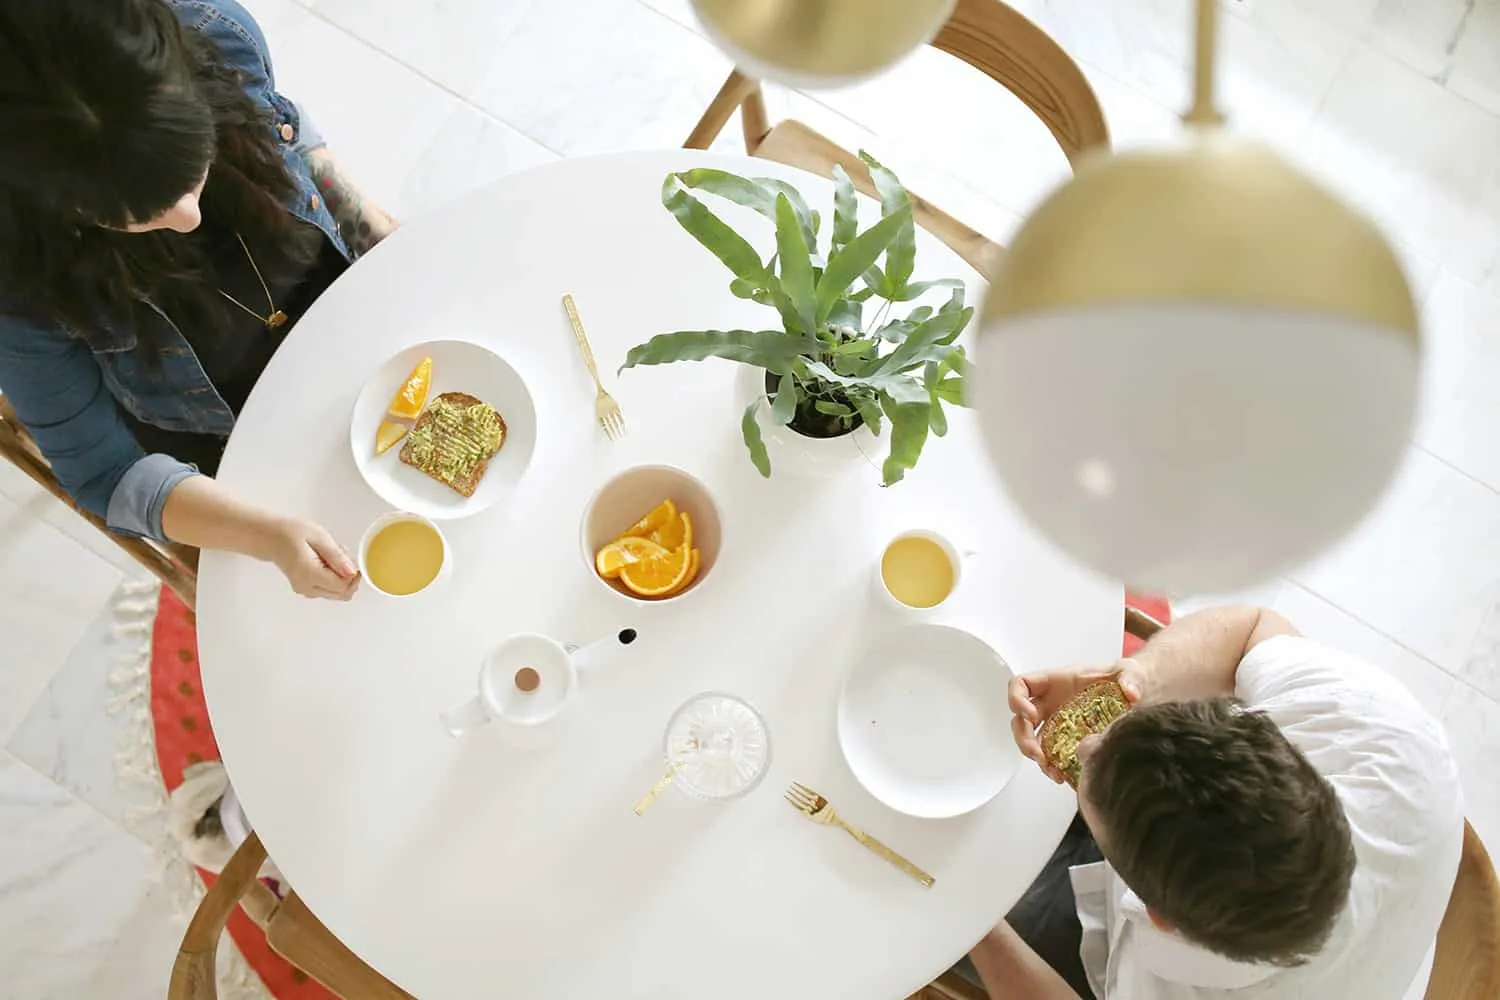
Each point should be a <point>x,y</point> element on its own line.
<point>1389,762</point>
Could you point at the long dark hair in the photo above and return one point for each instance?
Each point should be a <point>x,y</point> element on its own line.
<point>110,112</point>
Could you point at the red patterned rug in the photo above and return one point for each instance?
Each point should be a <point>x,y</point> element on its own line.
<point>183,738</point>
<point>180,720</point>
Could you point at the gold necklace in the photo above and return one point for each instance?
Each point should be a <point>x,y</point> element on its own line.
<point>277,319</point>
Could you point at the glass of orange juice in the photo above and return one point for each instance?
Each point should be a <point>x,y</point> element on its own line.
<point>919,570</point>
<point>403,554</point>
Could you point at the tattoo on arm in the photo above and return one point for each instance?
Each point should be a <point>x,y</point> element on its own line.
<point>361,222</point>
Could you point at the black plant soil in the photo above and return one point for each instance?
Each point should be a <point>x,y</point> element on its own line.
<point>808,422</point>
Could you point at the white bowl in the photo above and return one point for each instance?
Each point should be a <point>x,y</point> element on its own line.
<point>457,366</point>
<point>630,496</point>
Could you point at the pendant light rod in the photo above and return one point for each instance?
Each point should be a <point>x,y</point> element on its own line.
<point>1203,111</point>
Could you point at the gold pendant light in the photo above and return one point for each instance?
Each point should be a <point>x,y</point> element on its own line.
<point>820,43</point>
<point>1196,368</point>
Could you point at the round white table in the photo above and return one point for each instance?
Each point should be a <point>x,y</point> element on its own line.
<point>465,868</point>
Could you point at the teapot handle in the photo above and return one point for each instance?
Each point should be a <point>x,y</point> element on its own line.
<point>462,718</point>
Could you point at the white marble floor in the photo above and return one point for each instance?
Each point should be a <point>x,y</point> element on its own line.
<point>1394,102</point>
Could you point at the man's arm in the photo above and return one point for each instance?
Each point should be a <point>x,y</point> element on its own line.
<point>1197,656</point>
<point>1010,970</point>
<point>361,222</point>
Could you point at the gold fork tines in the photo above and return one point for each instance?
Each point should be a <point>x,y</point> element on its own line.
<point>610,416</point>
<point>819,810</point>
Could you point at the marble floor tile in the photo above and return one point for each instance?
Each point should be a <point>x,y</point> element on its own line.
<point>1418,157</point>
<point>448,41</point>
<point>470,150</point>
<point>1482,666</point>
<point>379,117</point>
<point>1317,619</point>
<point>51,587</point>
<point>595,76</point>
<point>70,880</point>
<point>1473,723</point>
<point>1421,33</point>
<point>1460,403</point>
<point>86,717</point>
<point>1474,71</point>
<point>1424,567</point>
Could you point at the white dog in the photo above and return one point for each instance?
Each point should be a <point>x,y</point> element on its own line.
<point>205,819</point>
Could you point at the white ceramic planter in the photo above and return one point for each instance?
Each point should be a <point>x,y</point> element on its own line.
<point>794,454</point>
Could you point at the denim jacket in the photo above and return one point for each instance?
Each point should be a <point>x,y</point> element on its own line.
<point>69,392</point>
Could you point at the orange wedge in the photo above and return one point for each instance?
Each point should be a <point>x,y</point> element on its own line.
<point>658,577</point>
<point>615,556</point>
<point>412,396</point>
<point>692,574</point>
<point>387,434</point>
<point>661,514</point>
<point>675,533</point>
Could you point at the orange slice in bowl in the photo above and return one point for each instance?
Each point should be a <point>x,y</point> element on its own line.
<point>692,574</point>
<point>614,557</point>
<point>412,396</point>
<point>662,576</point>
<point>675,533</point>
<point>660,515</point>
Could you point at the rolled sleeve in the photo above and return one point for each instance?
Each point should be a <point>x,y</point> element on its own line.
<point>136,506</point>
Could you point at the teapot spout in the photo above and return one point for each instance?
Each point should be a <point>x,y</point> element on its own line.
<point>464,718</point>
<point>600,650</point>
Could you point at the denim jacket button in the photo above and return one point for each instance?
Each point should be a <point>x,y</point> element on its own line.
<point>313,203</point>
<point>287,132</point>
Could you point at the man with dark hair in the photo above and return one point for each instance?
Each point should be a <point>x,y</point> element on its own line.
<point>1277,820</point>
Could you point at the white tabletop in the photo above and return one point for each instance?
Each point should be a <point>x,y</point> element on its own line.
<point>473,868</point>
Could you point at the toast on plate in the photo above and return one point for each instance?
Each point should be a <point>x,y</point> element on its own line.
<point>454,439</point>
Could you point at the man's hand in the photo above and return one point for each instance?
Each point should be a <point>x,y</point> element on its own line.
<point>1035,697</point>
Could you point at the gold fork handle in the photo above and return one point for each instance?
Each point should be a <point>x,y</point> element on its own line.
<point>583,339</point>
<point>888,854</point>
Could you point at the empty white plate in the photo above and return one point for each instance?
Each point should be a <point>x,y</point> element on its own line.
<point>457,366</point>
<point>924,721</point>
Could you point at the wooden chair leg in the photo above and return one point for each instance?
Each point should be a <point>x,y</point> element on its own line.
<point>753,119</point>
<point>193,971</point>
<point>174,565</point>
<point>1140,624</point>
<point>730,96</point>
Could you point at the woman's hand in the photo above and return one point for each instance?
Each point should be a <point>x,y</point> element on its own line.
<point>1035,697</point>
<point>314,564</point>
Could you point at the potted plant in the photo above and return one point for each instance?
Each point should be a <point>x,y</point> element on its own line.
<point>838,362</point>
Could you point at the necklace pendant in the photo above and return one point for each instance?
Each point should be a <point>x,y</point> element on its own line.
<point>276,320</point>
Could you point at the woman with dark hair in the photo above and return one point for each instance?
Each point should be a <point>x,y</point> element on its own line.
<point>165,218</point>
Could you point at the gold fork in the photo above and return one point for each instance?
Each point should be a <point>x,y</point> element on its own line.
<point>608,411</point>
<point>819,810</point>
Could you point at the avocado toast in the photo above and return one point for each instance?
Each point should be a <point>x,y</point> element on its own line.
<point>454,439</point>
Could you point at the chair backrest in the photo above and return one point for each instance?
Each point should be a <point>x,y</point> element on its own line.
<point>175,565</point>
<point>1466,965</point>
<point>986,34</point>
<point>291,930</point>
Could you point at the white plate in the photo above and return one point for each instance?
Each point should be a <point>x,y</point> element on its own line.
<point>457,366</point>
<point>924,721</point>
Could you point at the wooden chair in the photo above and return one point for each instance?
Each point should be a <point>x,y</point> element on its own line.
<point>1466,965</point>
<point>176,565</point>
<point>291,931</point>
<point>987,35</point>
